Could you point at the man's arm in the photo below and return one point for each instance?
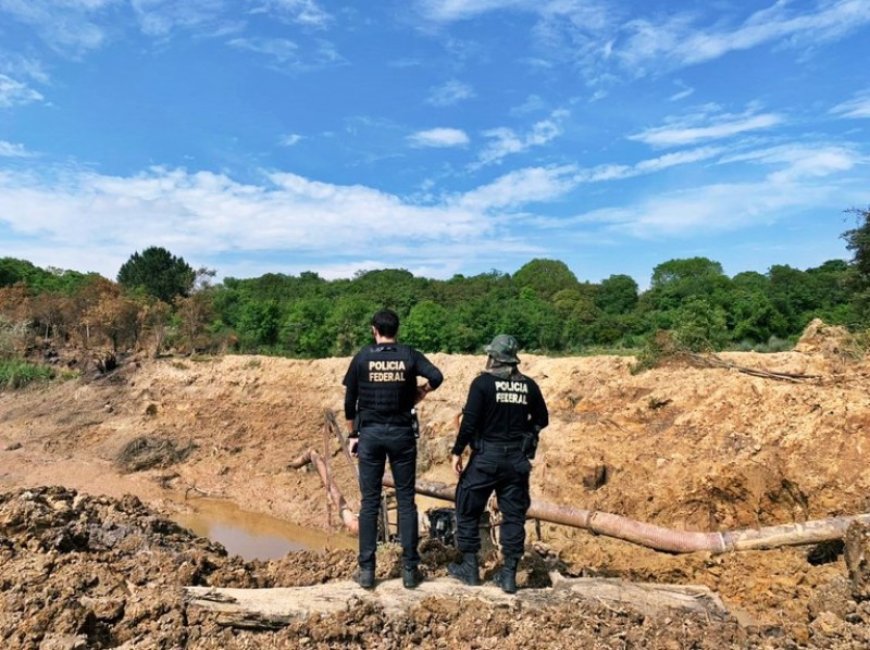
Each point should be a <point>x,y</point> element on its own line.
<point>471,416</point>
<point>427,369</point>
<point>537,407</point>
<point>351,393</point>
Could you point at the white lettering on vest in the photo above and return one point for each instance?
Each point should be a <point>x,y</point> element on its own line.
<point>511,392</point>
<point>388,370</point>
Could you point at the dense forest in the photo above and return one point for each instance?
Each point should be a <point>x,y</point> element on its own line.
<point>159,303</point>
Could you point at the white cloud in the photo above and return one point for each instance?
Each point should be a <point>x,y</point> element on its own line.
<point>452,10</point>
<point>305,12</point>
<point>532,104</point>
<point>13,150</point>
<point>599,36</point>
<point>67,27</point>
<point>540,184</point>
<point>857,107</point>
<point>291,140</point>
<point>801,162</point>
<point>712,208</point>
<point>441,137</point>
<point>792,185</point>
<point>685,91</point>
<point>534,184</point>
<point>676,41</point>
<point>19,66</point>
<point>620,172</point>
<point>15,93</point>
<point>288,54</point>
<point>694,128</point>
<point>450,93</point>
<point>505,142</point>
<point>161,17</point>
<point>281,49</point>
<point>200,214</point>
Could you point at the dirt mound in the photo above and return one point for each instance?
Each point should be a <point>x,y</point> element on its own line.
<point>820,338</point>
<point>96,573</point>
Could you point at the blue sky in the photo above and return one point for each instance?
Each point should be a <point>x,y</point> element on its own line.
<point>440,136</point>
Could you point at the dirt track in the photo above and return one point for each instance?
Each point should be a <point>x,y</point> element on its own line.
<point>683,447</point>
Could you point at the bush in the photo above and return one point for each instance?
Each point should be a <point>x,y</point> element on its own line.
<point>17,374</point>
<point>13,337</point>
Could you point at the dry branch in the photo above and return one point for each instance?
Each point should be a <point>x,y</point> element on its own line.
<point>712,361</point>
<point>348,518</point>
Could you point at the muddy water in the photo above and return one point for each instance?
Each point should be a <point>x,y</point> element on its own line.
<point>255,536</point>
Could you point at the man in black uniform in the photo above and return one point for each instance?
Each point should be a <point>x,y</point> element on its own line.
<point>501,420</point>
<point>381,390</point>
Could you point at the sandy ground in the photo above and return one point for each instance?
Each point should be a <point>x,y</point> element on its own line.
<point>684,447</point>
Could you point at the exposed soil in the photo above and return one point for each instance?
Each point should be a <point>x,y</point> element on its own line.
<point>681,446</point>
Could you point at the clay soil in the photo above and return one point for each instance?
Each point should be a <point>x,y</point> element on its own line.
<point>681,446</point>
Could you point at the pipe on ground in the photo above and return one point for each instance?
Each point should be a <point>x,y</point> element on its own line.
<point>611,525</point>
<point>666,539</point>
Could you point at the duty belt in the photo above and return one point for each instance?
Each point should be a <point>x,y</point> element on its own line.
<point>498,447</point>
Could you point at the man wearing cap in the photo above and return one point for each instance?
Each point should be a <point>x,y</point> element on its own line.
<point>380,392</point>
<point>501,420</point>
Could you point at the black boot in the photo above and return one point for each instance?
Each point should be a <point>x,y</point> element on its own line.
<point>411,578</point>
<point>467,571</point>
<point>365,578</point>
<point>506,578</point>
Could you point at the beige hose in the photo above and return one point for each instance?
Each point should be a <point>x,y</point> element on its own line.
<point>666,539</point>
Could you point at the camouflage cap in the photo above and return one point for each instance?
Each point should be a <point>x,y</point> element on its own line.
<point>503,348</point>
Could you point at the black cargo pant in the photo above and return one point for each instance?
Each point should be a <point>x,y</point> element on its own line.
<point>377,443</point>
<point>505,469</point>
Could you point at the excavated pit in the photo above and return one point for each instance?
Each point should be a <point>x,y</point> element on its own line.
<point>682,446</point>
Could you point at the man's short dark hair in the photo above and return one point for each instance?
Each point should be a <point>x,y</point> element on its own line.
<point>386,322</point>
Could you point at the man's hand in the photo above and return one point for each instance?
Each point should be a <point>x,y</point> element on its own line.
<point>352,438</point>
<point>456,461</point>
<point>422,391</point>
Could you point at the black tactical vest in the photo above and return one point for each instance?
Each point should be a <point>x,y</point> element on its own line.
<point>387,381</point>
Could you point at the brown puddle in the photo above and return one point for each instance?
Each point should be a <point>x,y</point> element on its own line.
<point>255,536</point>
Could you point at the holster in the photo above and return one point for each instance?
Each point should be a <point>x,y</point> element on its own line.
<point>530,444</point>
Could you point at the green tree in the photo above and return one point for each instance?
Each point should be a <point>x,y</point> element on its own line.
<point>159,273</point>
<point>617,294</point>
<point>259,324</point>
<point>700,326</point>
<point>426,327</point>
<point>858,241</point>
<point>545,277</point>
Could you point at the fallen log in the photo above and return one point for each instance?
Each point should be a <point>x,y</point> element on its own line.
<point>272,608</point>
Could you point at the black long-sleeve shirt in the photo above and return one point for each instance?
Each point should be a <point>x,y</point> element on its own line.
<point>381,383</point>
<point>501,410</point>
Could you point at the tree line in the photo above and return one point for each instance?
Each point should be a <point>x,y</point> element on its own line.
<point>160,302</point>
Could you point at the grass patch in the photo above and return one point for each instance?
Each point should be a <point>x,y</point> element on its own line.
<point>15,373</point>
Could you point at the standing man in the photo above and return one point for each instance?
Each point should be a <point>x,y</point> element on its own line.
<point>380,392</point>
<point>501,420</point>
